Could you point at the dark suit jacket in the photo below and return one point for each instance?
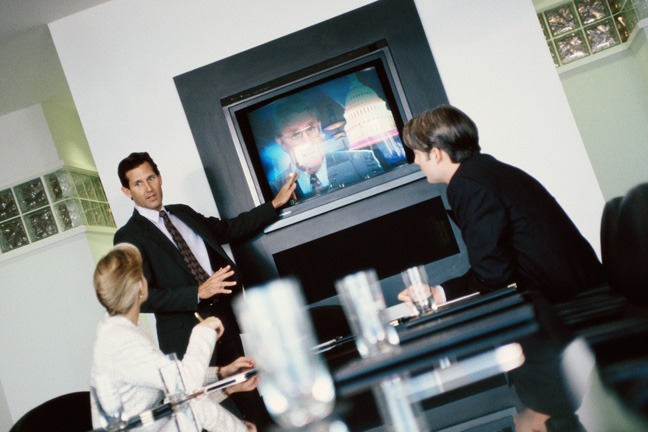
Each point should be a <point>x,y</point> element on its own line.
<point>173,292</point>
<point>515,231</point>
<point>344,168</point>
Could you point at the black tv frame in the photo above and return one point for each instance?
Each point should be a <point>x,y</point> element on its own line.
<point>237,106</point>
<point>201,88</point>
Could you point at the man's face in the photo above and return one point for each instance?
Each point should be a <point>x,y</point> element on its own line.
<point>302,140</point>
<point>144,187</point>
<point>428,164</point>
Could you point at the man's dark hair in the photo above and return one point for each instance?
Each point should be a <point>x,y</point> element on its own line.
<point>446,128</point>
<point>132,161</point>
<point>287,110</point>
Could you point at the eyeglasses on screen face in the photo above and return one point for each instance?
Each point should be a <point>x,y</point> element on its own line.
<point>312,131</point>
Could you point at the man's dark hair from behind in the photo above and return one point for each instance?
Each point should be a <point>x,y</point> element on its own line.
<point>446,128</point>
<point>132,161</point>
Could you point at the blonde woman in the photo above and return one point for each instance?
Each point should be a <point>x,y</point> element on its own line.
<point>124,352</point>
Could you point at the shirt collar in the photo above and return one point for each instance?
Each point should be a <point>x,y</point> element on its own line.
<point>150,214</point>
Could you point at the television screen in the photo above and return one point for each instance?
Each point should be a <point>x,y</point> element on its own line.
<point>336,126</point>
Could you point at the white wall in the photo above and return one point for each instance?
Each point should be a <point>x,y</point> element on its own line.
<point>6,420</point>
<point>609,99</point>
<point>67,132</point>
<point>48,311</point>
<point>27,146</point>
<point>120,57</point>
<point>495,66</point>
<point>48,316</point>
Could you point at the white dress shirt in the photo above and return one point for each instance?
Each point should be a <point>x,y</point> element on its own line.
<point>194,241</point>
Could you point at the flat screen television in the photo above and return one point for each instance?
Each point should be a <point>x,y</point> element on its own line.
<point>337,125</point>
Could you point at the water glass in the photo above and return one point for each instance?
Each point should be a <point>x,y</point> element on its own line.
<point>398,411</point>
<point>418,289</point>
<point>296,385</point>
<point>363,303</point>
<point>175,390</point>
<point>108,401</point>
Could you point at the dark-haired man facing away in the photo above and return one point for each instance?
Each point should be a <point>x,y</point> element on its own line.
<point>514,230</point>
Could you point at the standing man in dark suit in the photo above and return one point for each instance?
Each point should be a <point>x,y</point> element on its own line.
<point>176,291</point>
<point>514,230</point>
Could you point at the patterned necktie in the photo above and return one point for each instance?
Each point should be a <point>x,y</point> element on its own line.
<point>194,266</point>
<point>316,184</point>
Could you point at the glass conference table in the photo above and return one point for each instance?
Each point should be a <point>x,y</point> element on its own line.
<point>479,361</point>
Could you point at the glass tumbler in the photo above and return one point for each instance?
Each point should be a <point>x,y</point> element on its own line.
<point>296,385</point>
<point>107,399</point>
<point>418,289</point>
<point>364,306</point>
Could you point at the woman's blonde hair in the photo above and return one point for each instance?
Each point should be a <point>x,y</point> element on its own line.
<point>118,277</point>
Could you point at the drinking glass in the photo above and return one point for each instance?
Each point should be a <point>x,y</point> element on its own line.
<point>363,303</point>
<point>418,289</point>
<point>175,391</point>
<point>296,385</point>
<point>108,401</point>
<point>398,411</point>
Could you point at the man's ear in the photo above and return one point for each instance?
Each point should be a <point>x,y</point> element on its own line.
<point>436,154</point>
<point>127,192</point>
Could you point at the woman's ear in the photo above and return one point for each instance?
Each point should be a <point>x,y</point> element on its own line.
<point>142,289</point>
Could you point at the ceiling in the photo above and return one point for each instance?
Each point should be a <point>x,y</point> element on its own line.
<point>18,16</point>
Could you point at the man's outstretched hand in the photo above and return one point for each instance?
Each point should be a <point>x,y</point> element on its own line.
<point>286,192</point>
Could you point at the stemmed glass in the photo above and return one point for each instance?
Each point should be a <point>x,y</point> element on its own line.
<point>109,403</point>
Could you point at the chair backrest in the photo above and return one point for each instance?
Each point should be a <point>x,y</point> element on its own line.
<point>69,412</point>
<point>624,243</point>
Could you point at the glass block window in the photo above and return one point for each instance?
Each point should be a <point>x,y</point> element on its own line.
<point>51,204</point>
<point>579,28</point>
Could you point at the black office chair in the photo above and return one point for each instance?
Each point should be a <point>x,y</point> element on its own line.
<point>69,412</point>
<point>624,244</point>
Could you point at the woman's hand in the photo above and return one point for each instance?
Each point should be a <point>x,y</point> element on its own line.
<point>245,386</point>
<point>250,427</point>
<point>215,324</point>
<point>241,364</point>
